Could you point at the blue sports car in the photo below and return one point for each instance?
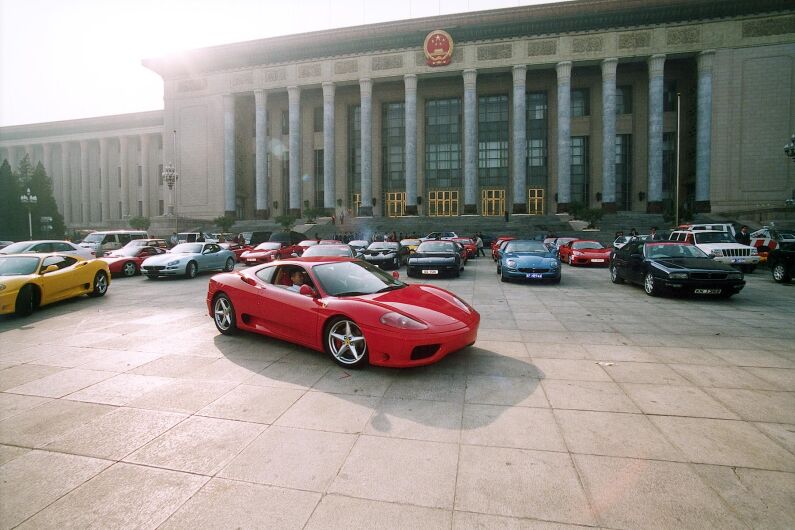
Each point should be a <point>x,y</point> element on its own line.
<point>528,260</point>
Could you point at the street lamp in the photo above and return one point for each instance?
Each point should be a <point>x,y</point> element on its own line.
<point>789,149</point>
<point>170,177</point>
<point>29,200</point>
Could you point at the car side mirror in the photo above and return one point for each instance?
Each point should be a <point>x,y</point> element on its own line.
<point>306,290</point>
<point>50,268</point>
<point>395,275</point>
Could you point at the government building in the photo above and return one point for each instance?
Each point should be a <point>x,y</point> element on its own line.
<point>526,110</point>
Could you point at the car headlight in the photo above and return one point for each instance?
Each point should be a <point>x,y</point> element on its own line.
<point>510,263</point>
<point>678,275</point>
<point>716,252</point>
<point>754,251</point>
<point>172,263</point>
<point>553,264</point>
<point>396,320</point>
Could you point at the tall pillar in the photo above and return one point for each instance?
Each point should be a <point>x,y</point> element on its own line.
<point>609,134</point>
<point>294,98</point>
<point>85,196</point>
<point>261,154</point>
<point>329,173</point>
<point>146,199</point>
<point>124,148</point>
<point>656,78</point>
<point>564,135</point>
<point>66,185</point>
<point>104,177</point>
<point>519,161</point>
<point>704,130</point>
<point>470,142</point>
<point>366,95</point>
<point>229,155</point>
<point>410,131</point>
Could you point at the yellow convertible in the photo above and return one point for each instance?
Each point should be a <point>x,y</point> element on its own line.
<point>28,281</point>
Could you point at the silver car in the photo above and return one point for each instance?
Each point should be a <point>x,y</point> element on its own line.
<point>188,259</point>
<point>47,246</point>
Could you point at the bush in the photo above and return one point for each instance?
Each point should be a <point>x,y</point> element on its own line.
<point>592,215</point>
<point>139,223</point>
<point>576,210</point>
<point>224,222</point>
<point>286,221</point>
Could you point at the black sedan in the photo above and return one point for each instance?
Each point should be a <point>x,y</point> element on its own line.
<point>434,258</point>
<point>782,262</point>
<point>385,254</point>
<point>674,267</point>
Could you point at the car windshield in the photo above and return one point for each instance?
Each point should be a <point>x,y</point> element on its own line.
<point>14,248</point>
<point>526,246</point>
<point>127,251</point>
<point>328,250</point>
<point>94,238</point>
<point>352,278</point>
<point>436,246</point>
<point>714,237</point>
<point>268,246</point>
<point>18,265</point>
<point>382,246</point>
<point>307,243</point>
<point>582,245</point>
<point>668,251</point>
<point>187,248</point>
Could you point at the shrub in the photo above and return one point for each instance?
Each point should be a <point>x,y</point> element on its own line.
<point>224,222</point>
<point>139,223</point>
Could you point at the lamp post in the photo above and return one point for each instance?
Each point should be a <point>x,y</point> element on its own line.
<point>170,177</point>
<point>789,149</point>
<point>29,200</point>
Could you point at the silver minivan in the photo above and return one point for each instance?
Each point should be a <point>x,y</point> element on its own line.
<point>106,241</point>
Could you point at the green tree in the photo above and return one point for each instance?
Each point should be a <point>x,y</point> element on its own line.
<point>41,187</point>
<point>286,221</point>
<point>139,223</point>
<point>12,214</point>
<point>224,222</point>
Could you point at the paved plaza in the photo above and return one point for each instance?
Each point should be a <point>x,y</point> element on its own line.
<point>584,403</point>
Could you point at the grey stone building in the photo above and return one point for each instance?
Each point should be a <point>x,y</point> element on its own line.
<point>532,109</point>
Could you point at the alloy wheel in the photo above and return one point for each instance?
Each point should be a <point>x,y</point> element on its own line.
<point>346,342</point>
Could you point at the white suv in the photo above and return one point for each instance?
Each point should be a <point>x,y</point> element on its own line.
<point>721,246</point>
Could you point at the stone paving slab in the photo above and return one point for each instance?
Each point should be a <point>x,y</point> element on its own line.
<point>584,403</point>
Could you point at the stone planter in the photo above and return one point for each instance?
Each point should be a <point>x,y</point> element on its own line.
<point>578,225</point>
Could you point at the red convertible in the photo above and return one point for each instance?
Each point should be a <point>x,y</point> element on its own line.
<point>585,252</point>
<point>267,252</point>
<point>127,260</point>
<point>350,309</point>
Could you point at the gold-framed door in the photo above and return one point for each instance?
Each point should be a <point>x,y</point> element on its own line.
<point>535,201</point>
<point>492,202</point>
<point>443,203</point>
<point>356,201</point>
<point>396,203</point>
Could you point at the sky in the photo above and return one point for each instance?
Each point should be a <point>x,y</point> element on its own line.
<point>68,59</point>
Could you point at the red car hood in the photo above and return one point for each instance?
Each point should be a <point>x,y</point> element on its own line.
<point>256,253</point>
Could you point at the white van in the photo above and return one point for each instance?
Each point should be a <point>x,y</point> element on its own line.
<point>102,242</point>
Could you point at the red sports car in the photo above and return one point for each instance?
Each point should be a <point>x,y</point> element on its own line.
<point>469,245</point>
<point>496,245</point>
<point>127,260</point>
<point>306,243</point>
<point>585,252</point>
<point>236,249</point>
<point>352,310</point>
<point>267,252</point>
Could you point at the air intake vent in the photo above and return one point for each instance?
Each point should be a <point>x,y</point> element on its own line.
<point>423,352</point>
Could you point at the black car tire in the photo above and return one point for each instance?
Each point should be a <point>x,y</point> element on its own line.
<point>780,273</point>
<point>649,285</point>
<point>614,276</point>
<point>191,269</point>
<point>26,301</point>
<point>556,280</point>
<point>499,269</point>
<point>100,285</point>
<point>457,273</point>
<point>230,265</point>
<point>224,315</point>
<point>503,278</point>
<point>129,269</point>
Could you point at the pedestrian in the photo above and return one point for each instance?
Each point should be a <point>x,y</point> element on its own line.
<point>342,217</point>
<point>174,239</point>
<point>333,220</point>
<point>743,237</point>
<point>506,216</point>
<point>479,244</point>
<point>633,232</point>
<point>653,236</point>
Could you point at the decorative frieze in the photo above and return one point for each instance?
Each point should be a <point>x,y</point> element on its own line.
<point>458,57</point>
<point>766,27</point>
<point>309,70</point>
<point>349,66</point>
<point>542,47</point>
<point>275,74</point>
<point>590,44</point>
<point>634,40</point>
<point>244,78</point>
<point>387,62</point>
<point>495,52</point>
<point>690,35</point>
<point>191,85</point>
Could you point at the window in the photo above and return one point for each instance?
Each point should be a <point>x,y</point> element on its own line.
<point>118,173</point>
<point>318,119</point>
<point>354,150</point>
<point>160,207</point>
<point>266,274</point>
<point>160,174</point>
<point>580,102</point>
<point>624,171</point>
<point>120,213</point>
<point>493,140</point>
<point>60,261</point>
<point>140,176</point>
<point>393,143</point>
<point>623,100</point>
<point>319,170</point>
<point>669,96</point>
<point>285,181</point>
<point>140,208</point>
<point>579,169</point>
<point>285,122</point>
<point>537,116</point>
<point>267,124</point>
<point>443,143</point>
<point>669,166</point>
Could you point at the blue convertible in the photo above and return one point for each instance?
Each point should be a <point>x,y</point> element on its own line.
<point>528,260</point>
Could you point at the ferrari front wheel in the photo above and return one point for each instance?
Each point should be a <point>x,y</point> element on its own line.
<point>346,343</point>
<point>100,285</point>
<point>129,269</point>
<point>224,315</point>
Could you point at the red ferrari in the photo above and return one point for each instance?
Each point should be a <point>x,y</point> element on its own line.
<point>236,249</point>
<point>348,308</point>
<point>127,260</point>
<point>585,252</point>
<point>269,251</point>
<point>496,245</point>
<point>469,245</point>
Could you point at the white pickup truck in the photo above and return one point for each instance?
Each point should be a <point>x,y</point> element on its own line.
<point>721,246</point>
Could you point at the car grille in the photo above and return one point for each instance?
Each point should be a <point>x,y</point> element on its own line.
<point>533,270</point>
<point>736,251</point>
<point>708,275</point>
<point>154,267</point>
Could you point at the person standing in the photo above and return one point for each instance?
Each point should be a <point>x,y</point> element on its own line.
<point>653,234</point>
<point>743,237</point>
<point>479,245</point>
<point>174,240</point>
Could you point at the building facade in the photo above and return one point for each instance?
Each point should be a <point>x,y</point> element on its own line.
<point>532,109</point>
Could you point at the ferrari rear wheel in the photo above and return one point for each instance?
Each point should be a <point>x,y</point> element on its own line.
<point>614,277</point>
<point>191,269</point>
<point>129,269</point>
<point>346,343</point>
<point>230,265</point>
<point>26,302</point>
<point>224,315</point>
<point>100,285</point>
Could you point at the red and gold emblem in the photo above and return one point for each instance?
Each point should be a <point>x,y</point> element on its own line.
<point>438,48</point>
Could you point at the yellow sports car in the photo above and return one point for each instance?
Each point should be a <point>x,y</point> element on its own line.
<point>411,244</point>
<point>28,281</point>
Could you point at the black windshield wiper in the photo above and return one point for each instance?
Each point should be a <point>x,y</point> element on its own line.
<point>390,288</point>
<point>351,293</point>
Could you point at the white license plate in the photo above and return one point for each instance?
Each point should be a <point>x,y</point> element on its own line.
<point>707,291</point>
<point>251,260</point>
<point>598,260</point>
<point>535,276</point>
<point>430,271</point>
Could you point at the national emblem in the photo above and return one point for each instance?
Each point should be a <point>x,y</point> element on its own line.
<point>438,48</point>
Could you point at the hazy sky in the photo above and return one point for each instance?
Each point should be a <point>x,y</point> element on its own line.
<point>66,59</point>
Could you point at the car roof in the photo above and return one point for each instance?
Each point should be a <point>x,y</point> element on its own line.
<point>41,255</point>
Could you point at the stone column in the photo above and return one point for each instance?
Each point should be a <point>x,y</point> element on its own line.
<point>609,134</point>
<point>124,147</point>
<point>85,195</point>
<point>262,211</point>
<point>656,78</point>
<point>66,185</point>
<point>470,142</point>
<point>366,95</point>
<point>104,178</point>
<point>410,131</point>
<point>704,130</point>
<point>564,135</point>
<point>329,173</point>
<point>519,161</point>
<point>294,97</point>
<point>146,200</point>
<point>229,155</point>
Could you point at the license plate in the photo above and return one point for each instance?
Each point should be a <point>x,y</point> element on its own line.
<point>737,260</point>
<point>535,276</point>
<point>251,260</point>
<point>599,260</point>
<point>707,291</point>
<point>430,271</point>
